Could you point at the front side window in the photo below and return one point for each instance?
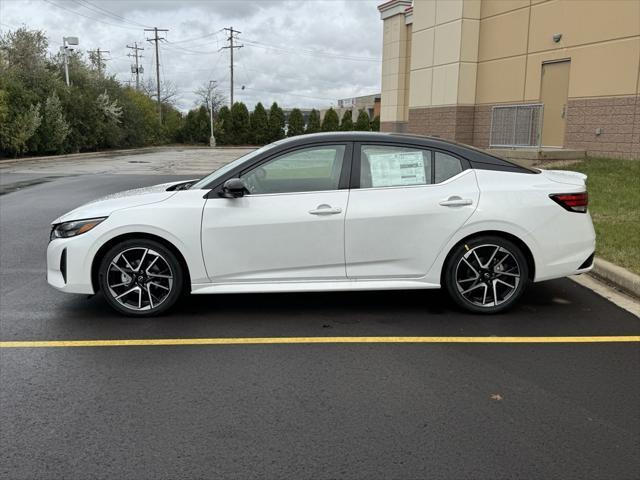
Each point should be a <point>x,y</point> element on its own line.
<point>384,166</point>
<point>306,170</point>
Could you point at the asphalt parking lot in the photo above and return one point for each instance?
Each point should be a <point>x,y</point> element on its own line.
<point>331,410</point>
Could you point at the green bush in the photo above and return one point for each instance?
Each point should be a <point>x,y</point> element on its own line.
<point>39,114</point>
<point>276,123</point>
<point>330,122</point>
<point>296,123</point>
<point>346,125</point>
<point>363,122</point>
<point>313,123</point>
<point>259,125</point>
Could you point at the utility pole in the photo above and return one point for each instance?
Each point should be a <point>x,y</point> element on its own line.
<point>156,39</point>
<point>65,52</point>
<point>138,69</point>
<point>212,139</point>
<point>98,54</point>
<point>231,46</point>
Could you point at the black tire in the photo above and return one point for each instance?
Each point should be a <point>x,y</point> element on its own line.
<point>475,277</point>
<point>155,286</point>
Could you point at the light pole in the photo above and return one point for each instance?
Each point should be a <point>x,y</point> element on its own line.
<point>65,41</point>
<point>212,139</point>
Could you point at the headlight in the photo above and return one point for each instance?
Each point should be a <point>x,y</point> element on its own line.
<point>71,229</point>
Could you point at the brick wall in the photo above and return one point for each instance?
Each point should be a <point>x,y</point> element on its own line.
<point>396,127</point>
<point>619,119</point>
<point>481,126</point>
<point>451,122</point>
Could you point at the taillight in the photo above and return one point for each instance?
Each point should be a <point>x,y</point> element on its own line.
<point>574,202</point>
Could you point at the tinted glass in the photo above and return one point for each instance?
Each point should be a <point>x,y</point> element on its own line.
<point>446,167</point>
<point>383,166</point>
<point>308,170</point>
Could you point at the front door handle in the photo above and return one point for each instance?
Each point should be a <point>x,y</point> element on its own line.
<point>456,201</point>
<point>325,209</point>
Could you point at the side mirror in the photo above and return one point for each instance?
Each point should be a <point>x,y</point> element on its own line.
<point>234,188</point>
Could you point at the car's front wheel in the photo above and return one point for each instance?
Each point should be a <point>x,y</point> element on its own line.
<point>486,274</point>
<point>140,278</point>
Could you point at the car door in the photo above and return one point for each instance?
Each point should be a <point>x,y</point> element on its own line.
<point>290,224</point>
<point>405,204</point>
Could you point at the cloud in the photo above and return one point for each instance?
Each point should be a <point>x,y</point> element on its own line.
<point>298,53</point>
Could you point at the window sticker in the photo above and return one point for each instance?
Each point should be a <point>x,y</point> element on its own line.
<point>397,169</point>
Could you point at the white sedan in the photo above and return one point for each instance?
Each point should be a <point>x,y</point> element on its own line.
<point>328,212</point>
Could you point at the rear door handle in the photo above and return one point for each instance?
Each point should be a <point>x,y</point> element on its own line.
<point>325,209</point>
<point>456,201</point>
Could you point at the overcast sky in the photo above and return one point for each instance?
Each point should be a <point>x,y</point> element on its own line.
<point>298,53</point>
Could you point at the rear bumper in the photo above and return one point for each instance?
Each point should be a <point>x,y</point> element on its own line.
<point>566,249</point>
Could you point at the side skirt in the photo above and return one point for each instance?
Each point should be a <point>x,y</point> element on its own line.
<point>326,286</point>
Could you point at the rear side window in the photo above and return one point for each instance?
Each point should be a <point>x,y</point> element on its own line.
<point>384,166</point>
<point>446,167</point>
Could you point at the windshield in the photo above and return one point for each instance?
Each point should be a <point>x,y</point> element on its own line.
<point>228,167</point>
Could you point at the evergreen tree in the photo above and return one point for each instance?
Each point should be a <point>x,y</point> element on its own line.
<point>222,126</point>
<point>313,124</point>
<point>54,126</point>
<point>296,123</point>
<point>259,125</point>
<point>363,122</point>
<point>375,124</point>
<point>330,122</point>
<point>239,124</point>
<point>346,125</point>
<point>276,123</point>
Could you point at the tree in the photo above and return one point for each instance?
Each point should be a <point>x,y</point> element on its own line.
<point>222,126</point>
<point>296,123</point>
<point>330,122</point>
<point>375,124</point>
<point>346,124</point>
<point>54,127</point>
<point>15,135</point>
<point>196,127</point>
<point>276,123</point>
<point>24,50</point>
<point>259,123</point>
<point>362,122</point>
<point>239,124</point>
<point>313,124</point>
<point>208,94</point>
<point>168,91</point>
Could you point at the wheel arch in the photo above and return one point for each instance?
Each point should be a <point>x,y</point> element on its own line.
<point>531,264</point>
<point>102,251</point>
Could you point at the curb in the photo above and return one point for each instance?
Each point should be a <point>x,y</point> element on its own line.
<point>619,277</point>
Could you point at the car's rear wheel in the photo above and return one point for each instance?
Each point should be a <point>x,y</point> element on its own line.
<point>141,278</point>
<point>486,274</point>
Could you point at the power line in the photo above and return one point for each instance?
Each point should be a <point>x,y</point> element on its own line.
<point>90,17</point>
<point>310,53</point>
<point>98,9</point>
<point>207,35</point>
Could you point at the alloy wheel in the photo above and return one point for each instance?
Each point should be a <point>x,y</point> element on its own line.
<point>139,278</point>
<point>487,275</point>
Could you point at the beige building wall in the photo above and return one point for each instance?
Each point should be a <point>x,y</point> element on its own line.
<point>465,55</point>
<point>396,41</point>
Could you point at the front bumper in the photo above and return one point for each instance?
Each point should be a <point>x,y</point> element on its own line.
<point>68,269</point>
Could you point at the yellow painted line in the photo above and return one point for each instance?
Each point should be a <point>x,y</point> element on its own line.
<point>309,340</point>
